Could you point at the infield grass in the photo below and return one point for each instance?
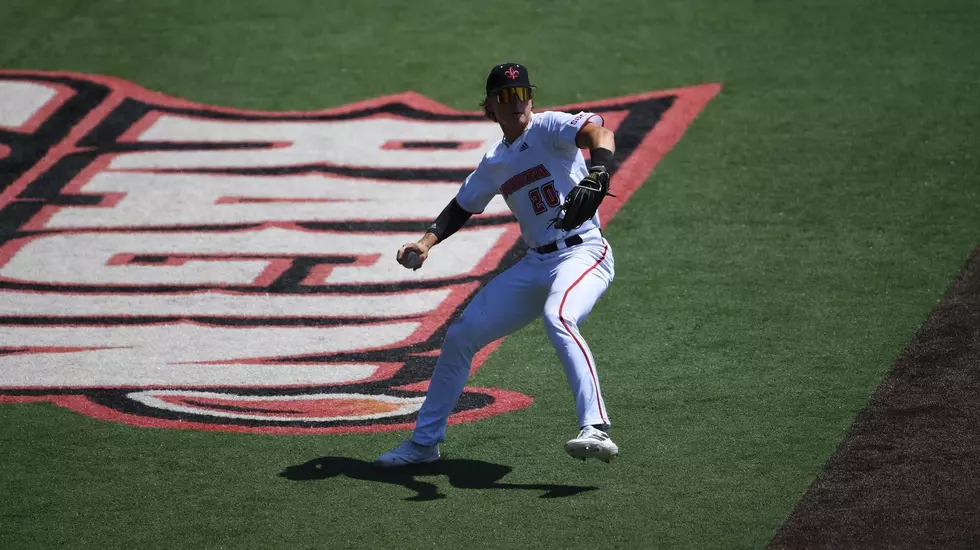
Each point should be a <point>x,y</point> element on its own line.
<point>767,274</point>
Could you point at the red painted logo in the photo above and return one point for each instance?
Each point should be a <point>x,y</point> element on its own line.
<point>170,264</point>
<point>512,73</point>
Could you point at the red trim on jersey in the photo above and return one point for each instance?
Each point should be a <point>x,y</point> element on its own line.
<point>595,381</point>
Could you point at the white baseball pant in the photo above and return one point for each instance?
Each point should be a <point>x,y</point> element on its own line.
<point>561,287</point>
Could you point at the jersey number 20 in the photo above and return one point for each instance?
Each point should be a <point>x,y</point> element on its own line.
<point>540,195</point>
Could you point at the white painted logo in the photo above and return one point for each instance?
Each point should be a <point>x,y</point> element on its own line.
<point>170,264</point>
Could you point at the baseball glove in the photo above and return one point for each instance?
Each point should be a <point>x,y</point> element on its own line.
<point>584,199</point>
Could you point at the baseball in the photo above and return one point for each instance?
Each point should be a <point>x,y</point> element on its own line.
<point>411,259</point>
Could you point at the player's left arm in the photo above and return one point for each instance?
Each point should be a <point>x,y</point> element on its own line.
<point>583,200</point>
<point>601,143</point>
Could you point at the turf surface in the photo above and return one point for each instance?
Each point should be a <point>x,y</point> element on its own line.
<point>767,274</point>
<point>905,477</point>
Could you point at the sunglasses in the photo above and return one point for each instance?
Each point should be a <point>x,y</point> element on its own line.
<point>505,95</point>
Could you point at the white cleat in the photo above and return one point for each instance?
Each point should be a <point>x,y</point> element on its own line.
<point>592,443</point>
<point>407,454</point>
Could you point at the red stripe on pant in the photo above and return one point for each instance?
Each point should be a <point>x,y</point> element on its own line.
<point>595,381</point>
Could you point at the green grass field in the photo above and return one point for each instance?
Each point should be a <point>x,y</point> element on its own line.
<point>768,273</point>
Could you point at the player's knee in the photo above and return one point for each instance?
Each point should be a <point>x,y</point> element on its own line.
<point>555,323</point>
<point>455,335</point>
<point>459,339</point>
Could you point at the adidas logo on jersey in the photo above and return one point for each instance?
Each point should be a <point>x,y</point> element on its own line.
<point>157,263</point>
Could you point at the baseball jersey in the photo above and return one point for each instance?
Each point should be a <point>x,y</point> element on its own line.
<point>534,174</point>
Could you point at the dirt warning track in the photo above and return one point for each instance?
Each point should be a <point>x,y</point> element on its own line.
<point>908,472</point>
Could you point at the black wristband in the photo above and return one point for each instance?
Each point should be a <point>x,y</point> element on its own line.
<point>601,157</point>
<point>449,221</point>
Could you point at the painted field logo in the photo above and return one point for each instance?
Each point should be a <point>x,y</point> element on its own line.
<point>169,264</point>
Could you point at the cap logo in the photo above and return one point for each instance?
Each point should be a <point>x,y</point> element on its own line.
<point>135,253</point>
<point>512,73</point>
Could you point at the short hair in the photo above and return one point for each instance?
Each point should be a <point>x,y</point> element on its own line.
<point>487,112</point>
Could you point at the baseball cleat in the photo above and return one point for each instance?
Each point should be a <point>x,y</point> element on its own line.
<point>407,454</point>
<point>592,443</point>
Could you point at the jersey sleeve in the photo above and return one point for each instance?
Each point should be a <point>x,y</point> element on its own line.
<point>477,190</point>
<point>563,128</point>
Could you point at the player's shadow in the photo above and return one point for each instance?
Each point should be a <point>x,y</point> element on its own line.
<point>462,474</point>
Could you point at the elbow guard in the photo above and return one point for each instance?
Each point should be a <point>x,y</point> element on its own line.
<point>449,221</point>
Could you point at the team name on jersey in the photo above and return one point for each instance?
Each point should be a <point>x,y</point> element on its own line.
<point>526,177</point>
<point>176,265</point>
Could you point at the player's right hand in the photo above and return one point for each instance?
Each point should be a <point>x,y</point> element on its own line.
<point>412,255</point>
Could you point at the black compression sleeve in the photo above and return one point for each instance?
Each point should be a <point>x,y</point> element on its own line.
<point>601,156</point>
<point>449,221</point>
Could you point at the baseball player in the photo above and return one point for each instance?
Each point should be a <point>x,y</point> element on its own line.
<point>539,169</point>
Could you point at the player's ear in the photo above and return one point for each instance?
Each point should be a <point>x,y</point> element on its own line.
<point>487,111</point>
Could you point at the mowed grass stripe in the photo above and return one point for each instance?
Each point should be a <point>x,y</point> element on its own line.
<point>767,274</point>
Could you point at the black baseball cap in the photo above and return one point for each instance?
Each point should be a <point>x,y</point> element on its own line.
<point>508,75</point>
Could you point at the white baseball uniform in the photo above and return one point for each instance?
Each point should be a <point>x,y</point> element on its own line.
<point>534,174</point>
